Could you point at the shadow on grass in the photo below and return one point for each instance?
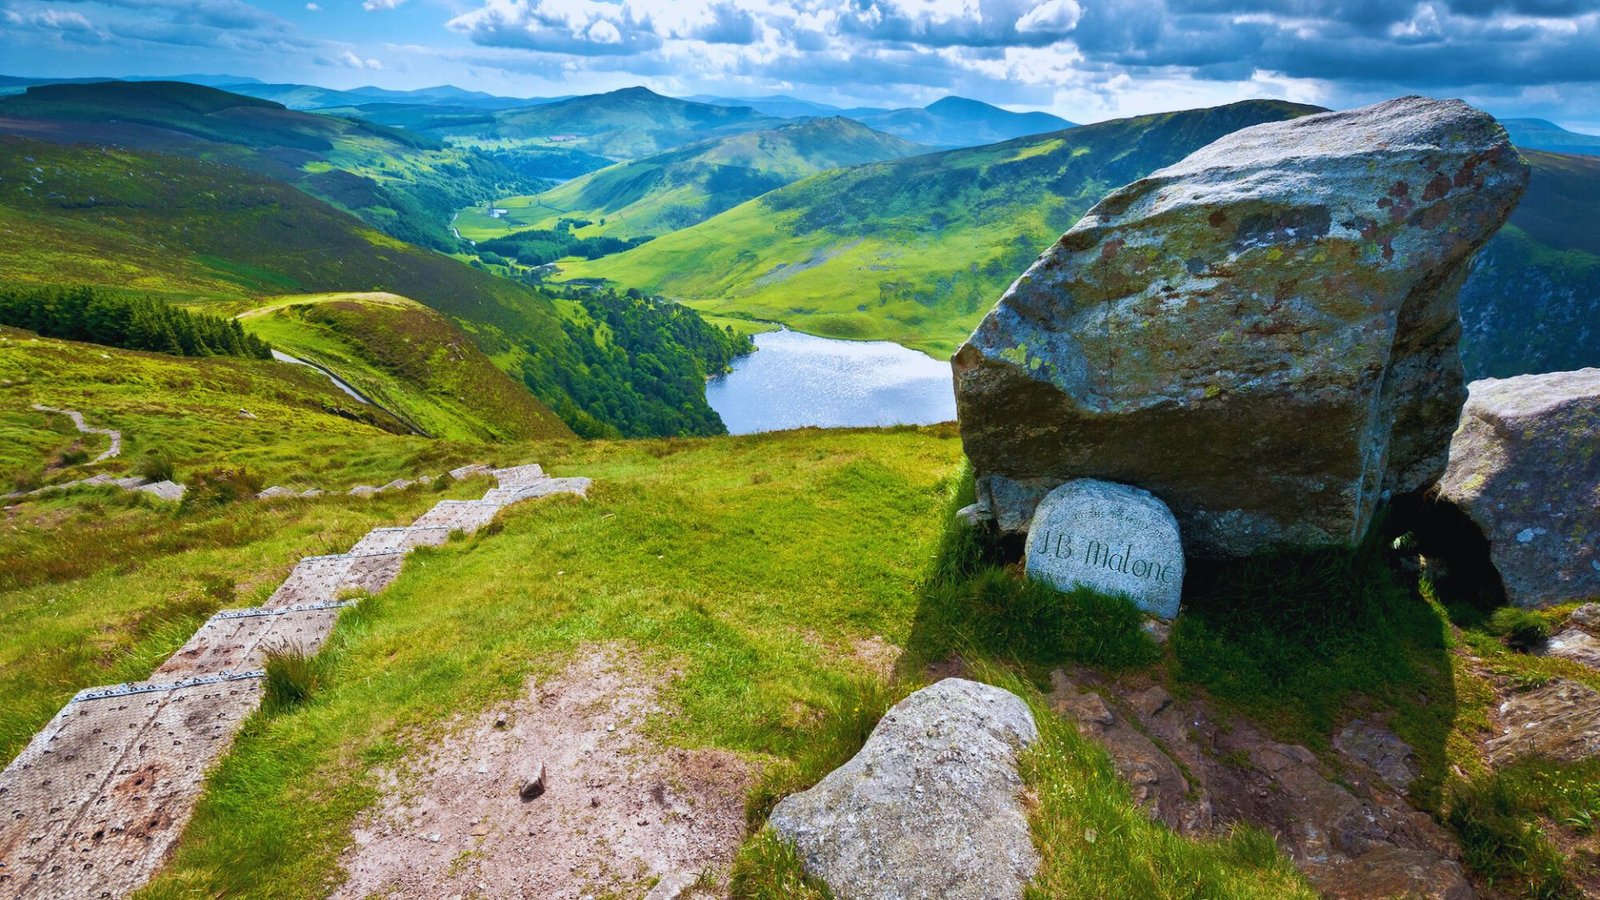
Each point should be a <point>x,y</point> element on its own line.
<point>1297,640</point>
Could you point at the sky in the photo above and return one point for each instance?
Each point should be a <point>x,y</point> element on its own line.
<point>1085,60</point>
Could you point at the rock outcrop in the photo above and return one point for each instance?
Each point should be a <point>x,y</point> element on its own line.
<point>1264,335</point>
<point>1559,721</point>
<point>1344,822</point>
<point>1525,468</point>
<point>929,807</point>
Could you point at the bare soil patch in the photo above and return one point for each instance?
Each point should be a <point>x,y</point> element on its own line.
<point>617,811</point>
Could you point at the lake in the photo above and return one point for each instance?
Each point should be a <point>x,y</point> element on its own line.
<point>794,380</point>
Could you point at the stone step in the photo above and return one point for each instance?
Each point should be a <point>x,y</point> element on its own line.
<point>95,803</point>
<point>390,540</point>
<point>97,800</point>
<point>463,515</point>
<point>321,579</point>
<point>237,640</point>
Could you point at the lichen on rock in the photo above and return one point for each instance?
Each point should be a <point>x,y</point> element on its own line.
<point>1264,335</point>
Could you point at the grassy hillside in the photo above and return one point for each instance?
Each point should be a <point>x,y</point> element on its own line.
<point>196,232</point>
<point>809,541</point>
<point>682,187</point>
<point>959,122</point>
<point>912,250</point>
<point>624,124</point>
<point>408,359</point>
<point>73,615</point>
<point>1532,302</point>
<point>1538,134</point>
<point>406,185</point>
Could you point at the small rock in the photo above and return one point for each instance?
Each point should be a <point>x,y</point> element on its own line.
<point>246,414</point>
<point>974,514</point>
<point>866,833</point>
<point>1381,750</point>
<point>672,886</point>
<point>1578,646</point>
<point>1150,701</point>
<point>436,837</point>
<point>480,831</point>
<point>1560,721</point>
<point>170,491</point>
<point>1586,617</point>
<point>534,785</point>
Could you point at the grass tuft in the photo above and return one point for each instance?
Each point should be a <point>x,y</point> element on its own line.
<point>1523,630</point>
<point>768,868</point>
<point>1496,819</point>
<point>293,677</point>
<point>221,486</point>
<point>157,466</point>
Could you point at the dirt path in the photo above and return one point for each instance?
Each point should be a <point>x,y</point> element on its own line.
<point>616,814</point>
<point>82,426</point>
<point>96,801</point>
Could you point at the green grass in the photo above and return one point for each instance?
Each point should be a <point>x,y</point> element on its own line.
<point>679,188</point>
<point>198,233</point>
<point>1505,822</point>
<point>913,250</point>
<point>409,360</point>
<point>300,428</point>
<point>803,543</point>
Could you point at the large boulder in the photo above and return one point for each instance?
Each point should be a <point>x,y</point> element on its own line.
<point>1525,468</point>
<point>930,807</point>
<point>1264,335</point>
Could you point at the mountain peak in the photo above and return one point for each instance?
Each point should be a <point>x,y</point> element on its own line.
<point>954,105</point>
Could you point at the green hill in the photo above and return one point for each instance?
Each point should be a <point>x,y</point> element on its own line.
<point>624,124</point>
<point>960,122</point>
<point>197,232</point>
<point>912,250</point>
<point>682,187</point>
<point>406,185</point>
<point>1532,303</point>
<point>409,360</point>
<point>1538,134</point>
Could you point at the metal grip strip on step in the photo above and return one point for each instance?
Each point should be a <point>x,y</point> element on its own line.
<point>256,611</point>
<point>130,688</point>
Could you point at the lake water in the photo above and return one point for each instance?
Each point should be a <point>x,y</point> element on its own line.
<point>794,380</point>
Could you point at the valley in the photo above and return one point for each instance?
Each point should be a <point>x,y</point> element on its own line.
<point>645,410</point>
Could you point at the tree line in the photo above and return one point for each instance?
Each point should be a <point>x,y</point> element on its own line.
<point>647,375</point>
<point>129,322</point>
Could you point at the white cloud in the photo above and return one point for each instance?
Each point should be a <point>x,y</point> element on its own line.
<point>313,7</point>
<point>1052,15</point>
<point>350,60</point>
<point>376,5</point>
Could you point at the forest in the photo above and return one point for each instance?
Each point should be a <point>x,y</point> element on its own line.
<point>132,323</point>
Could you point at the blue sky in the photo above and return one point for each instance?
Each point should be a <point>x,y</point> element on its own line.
<point>1083,59</point>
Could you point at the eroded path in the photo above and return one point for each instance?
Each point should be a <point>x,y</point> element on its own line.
<point>95,803</point>
<point>77,420</point>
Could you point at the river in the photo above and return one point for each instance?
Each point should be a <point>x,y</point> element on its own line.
<point>794,380</point>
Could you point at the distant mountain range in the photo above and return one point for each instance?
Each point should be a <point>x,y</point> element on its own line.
<point>948,123</point>
<point>912,250</point>
<point>404,183</point>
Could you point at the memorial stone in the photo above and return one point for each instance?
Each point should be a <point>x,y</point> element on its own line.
<point>1111,538</point>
